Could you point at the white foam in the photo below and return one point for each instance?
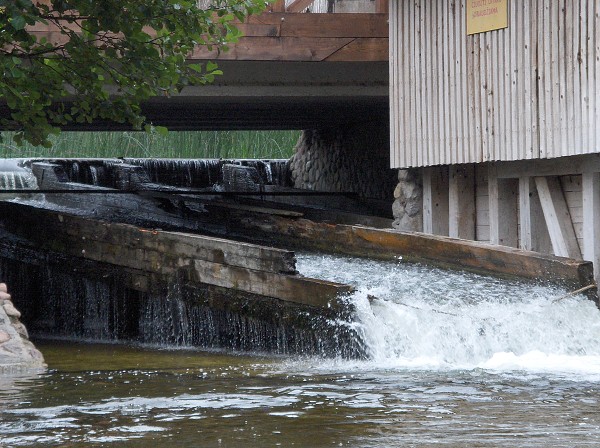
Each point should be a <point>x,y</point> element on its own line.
<point>426,318</point>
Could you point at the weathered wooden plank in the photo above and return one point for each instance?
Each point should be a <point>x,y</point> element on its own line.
<point>461,202</point>
<point>241,266</point>
<point>277,6</point>
<point>382,6</point>
<point>256,209</point>
<point>361,49</point>
<point>276,49</point>
<point>318,293</point>
<point>503,201</point>
<point>325,25</point>
<point>435,201</point>
<point>533,233</point>
<point>547,167</point>
<point>418,247</point>
<point>558,218</point>
<point>75,234</point>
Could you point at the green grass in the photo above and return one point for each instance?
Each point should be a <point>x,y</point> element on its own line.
<point>181,145</point>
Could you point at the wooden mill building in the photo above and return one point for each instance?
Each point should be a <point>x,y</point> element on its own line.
<point>497,104</point>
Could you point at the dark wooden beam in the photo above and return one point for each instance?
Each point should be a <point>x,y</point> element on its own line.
<point>382,6</point>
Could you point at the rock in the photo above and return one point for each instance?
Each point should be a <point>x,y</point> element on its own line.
<point>4,296</point>
<point>11,311</point>
<point>4,336</point>
<point>21,329</point>
<point>398,191</point>
<point>3,287</point>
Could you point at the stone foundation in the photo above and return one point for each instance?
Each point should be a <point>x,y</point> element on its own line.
<point>408,201</point>
<point>351,159</point>
<point>17,353</point>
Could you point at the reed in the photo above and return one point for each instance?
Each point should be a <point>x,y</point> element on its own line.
<point>181,144</point>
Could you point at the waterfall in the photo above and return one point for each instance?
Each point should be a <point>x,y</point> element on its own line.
<point>412,316</point>
<point>83,300</point>
<point>13,176</point>
<point>207,173</point>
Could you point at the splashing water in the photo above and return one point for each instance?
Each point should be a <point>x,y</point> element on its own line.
<point>416,317</point>
<point>15,177</point>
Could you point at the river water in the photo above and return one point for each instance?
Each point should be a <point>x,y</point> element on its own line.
<point>455,360</point>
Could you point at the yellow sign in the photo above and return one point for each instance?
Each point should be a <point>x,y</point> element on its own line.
<point>486,15</point>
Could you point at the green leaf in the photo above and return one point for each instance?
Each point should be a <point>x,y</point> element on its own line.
<point>18,22</point>
<point>111,64</point>
<point>161,130</point>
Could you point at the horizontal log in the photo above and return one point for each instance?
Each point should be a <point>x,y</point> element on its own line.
<point>220,262</point>
<point>77,233</point>
<point>323,25</point>
<point>309,49</point>
<point>307,291</point>
<point>292,37</point>
<point>362,49</point>
<point>388,244</point>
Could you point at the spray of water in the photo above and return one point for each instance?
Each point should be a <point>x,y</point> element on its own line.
<point>412,316</point>
<point>13,176</point>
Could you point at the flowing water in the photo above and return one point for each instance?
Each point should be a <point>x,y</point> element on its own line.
<point>14,177</point>
<point>455,360</point>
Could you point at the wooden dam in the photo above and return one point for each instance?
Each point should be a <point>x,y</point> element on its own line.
<point>210,265</point>
<point>200,252</point>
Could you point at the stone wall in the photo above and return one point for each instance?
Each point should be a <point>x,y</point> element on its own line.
<point>354,158</point>
<point>17,353</point>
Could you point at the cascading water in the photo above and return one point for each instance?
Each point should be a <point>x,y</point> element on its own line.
<point>206,173</point>
<point>13,176</point>
<point>415,317</point>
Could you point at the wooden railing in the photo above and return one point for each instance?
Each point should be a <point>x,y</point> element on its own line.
<point>381,6</point>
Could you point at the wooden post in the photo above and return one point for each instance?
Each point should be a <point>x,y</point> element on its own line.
<point>558,218</point>
<point>503,209</point>
<point>277,6</point>
<point>435,200</point>
<point>382,6</point>
<point>461,202</point>
<point>591,220</point>
<point>533,233</point>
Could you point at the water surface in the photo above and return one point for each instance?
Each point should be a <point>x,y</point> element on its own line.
<point>455,360</point>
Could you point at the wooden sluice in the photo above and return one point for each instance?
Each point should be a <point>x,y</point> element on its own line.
<point>246,267</point>
<point>153,263</point>
<point>241,295</point>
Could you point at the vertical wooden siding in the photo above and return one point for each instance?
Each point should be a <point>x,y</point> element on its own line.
<point>525,92</point>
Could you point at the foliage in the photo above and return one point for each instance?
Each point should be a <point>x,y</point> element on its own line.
<point>176,144</point>
<point>104,58</point>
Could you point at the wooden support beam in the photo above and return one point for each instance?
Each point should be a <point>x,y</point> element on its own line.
<point>277,6</point>
<point>503,194</point>
<point>558,218</point>
<point>382,6</point>
<point>461,202</point>
<point>533,234</point>
<point>587,163</point>
<point>435,200</point>
<point>591,220</point>
<point>317,25</point>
